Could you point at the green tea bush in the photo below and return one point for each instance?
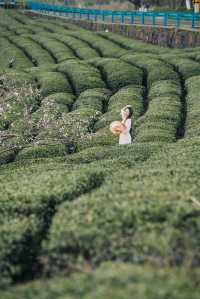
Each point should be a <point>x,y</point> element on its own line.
<point>112,280</point>
<point>186,67</point>
<point>58,50</point>
<point>118,73</point>
<point>69,128</point>
<point>52,82</point>
<point>192,128</point>
<point>52,27</point>
<point>9,52</point>
<point>22,30</point>
<point>81,48</point>
<point>105,47</point>
<point>35,70</point>
<point>165,88</point>
<point>40,151</point>
<point>131,44</point>
<point>7,19</point>
<point>19,239</point>
<point>18,97</point>
<point>40,25</point>
<point>140,216</point>
<point>36,53</point>
<point>129,155</point>
<point>82,75</point>
<point>6,156</point>
<point>93,98</point>
<point>163,116</point>
<point>47,116</point>
<point>61,98</point>
<point>156,69</point>
<point>27,192</point>
<point>103,137</point>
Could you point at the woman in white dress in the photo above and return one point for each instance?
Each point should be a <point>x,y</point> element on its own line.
<point>126,114</point>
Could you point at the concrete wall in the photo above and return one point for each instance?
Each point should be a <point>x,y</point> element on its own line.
<point>164,36</point>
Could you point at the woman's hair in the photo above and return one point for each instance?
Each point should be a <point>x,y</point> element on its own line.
<point>129,107</point>
<point>130,110</point>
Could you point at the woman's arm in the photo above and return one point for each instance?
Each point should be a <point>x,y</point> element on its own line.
<point>127,125</point>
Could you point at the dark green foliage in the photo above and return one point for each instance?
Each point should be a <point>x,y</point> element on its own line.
<point>42,151</point>
<point>193,107</point>
<point>162,118</point>
<point>51,82</point>
<point>62,98</point>
<point>59,51</point>
<point>18,96</point>
<point>123,221</point>
<point>19,239</point>
<point>7,156</point>
<point>126,156</point>
<point>9,52</point>
<point>103,137</point>
<point>156,69</point>
<point>131,44</point>
<point>165,88</point>
<point>118,73</point>
<point>112,280</point>
<point>82,75</point>
<point>81,48</point>
<point>36,53</point>
<point>105,47</point>
<point>93,98</point>
<point>30,192</point>
<point>186,67</point>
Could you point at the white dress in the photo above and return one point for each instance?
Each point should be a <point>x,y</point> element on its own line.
<point>125,137</point>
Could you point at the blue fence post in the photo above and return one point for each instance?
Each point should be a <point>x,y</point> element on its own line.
<point>166,19</point>
<point>142,19</point>
<point>193,21</point>
<point>95,16</point>
<point>113,17</point>
<point>132,18</point>
<point>122,17</point>
<point>178,20</point>
<point>73,14</point>
<point>154,19</point>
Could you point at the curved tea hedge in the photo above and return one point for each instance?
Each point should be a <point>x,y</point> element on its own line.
<point>192,123</point>
<point>79,47</point>
<point>115,280</point>
<point>11,56</point>
<point>59,51</point>
<point>163,117</point>
<point>82,75</point>
<point>71,199</point>
<point>117,73</point>
<point>36,53</point>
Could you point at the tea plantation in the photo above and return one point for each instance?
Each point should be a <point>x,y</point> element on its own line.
<point>81,216</point>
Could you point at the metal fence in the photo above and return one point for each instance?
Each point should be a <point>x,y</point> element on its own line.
<point>7,3</point>
<point>175,19</point>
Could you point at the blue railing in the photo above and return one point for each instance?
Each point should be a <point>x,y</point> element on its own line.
<point>191,20</point>
<point>7,2</point>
